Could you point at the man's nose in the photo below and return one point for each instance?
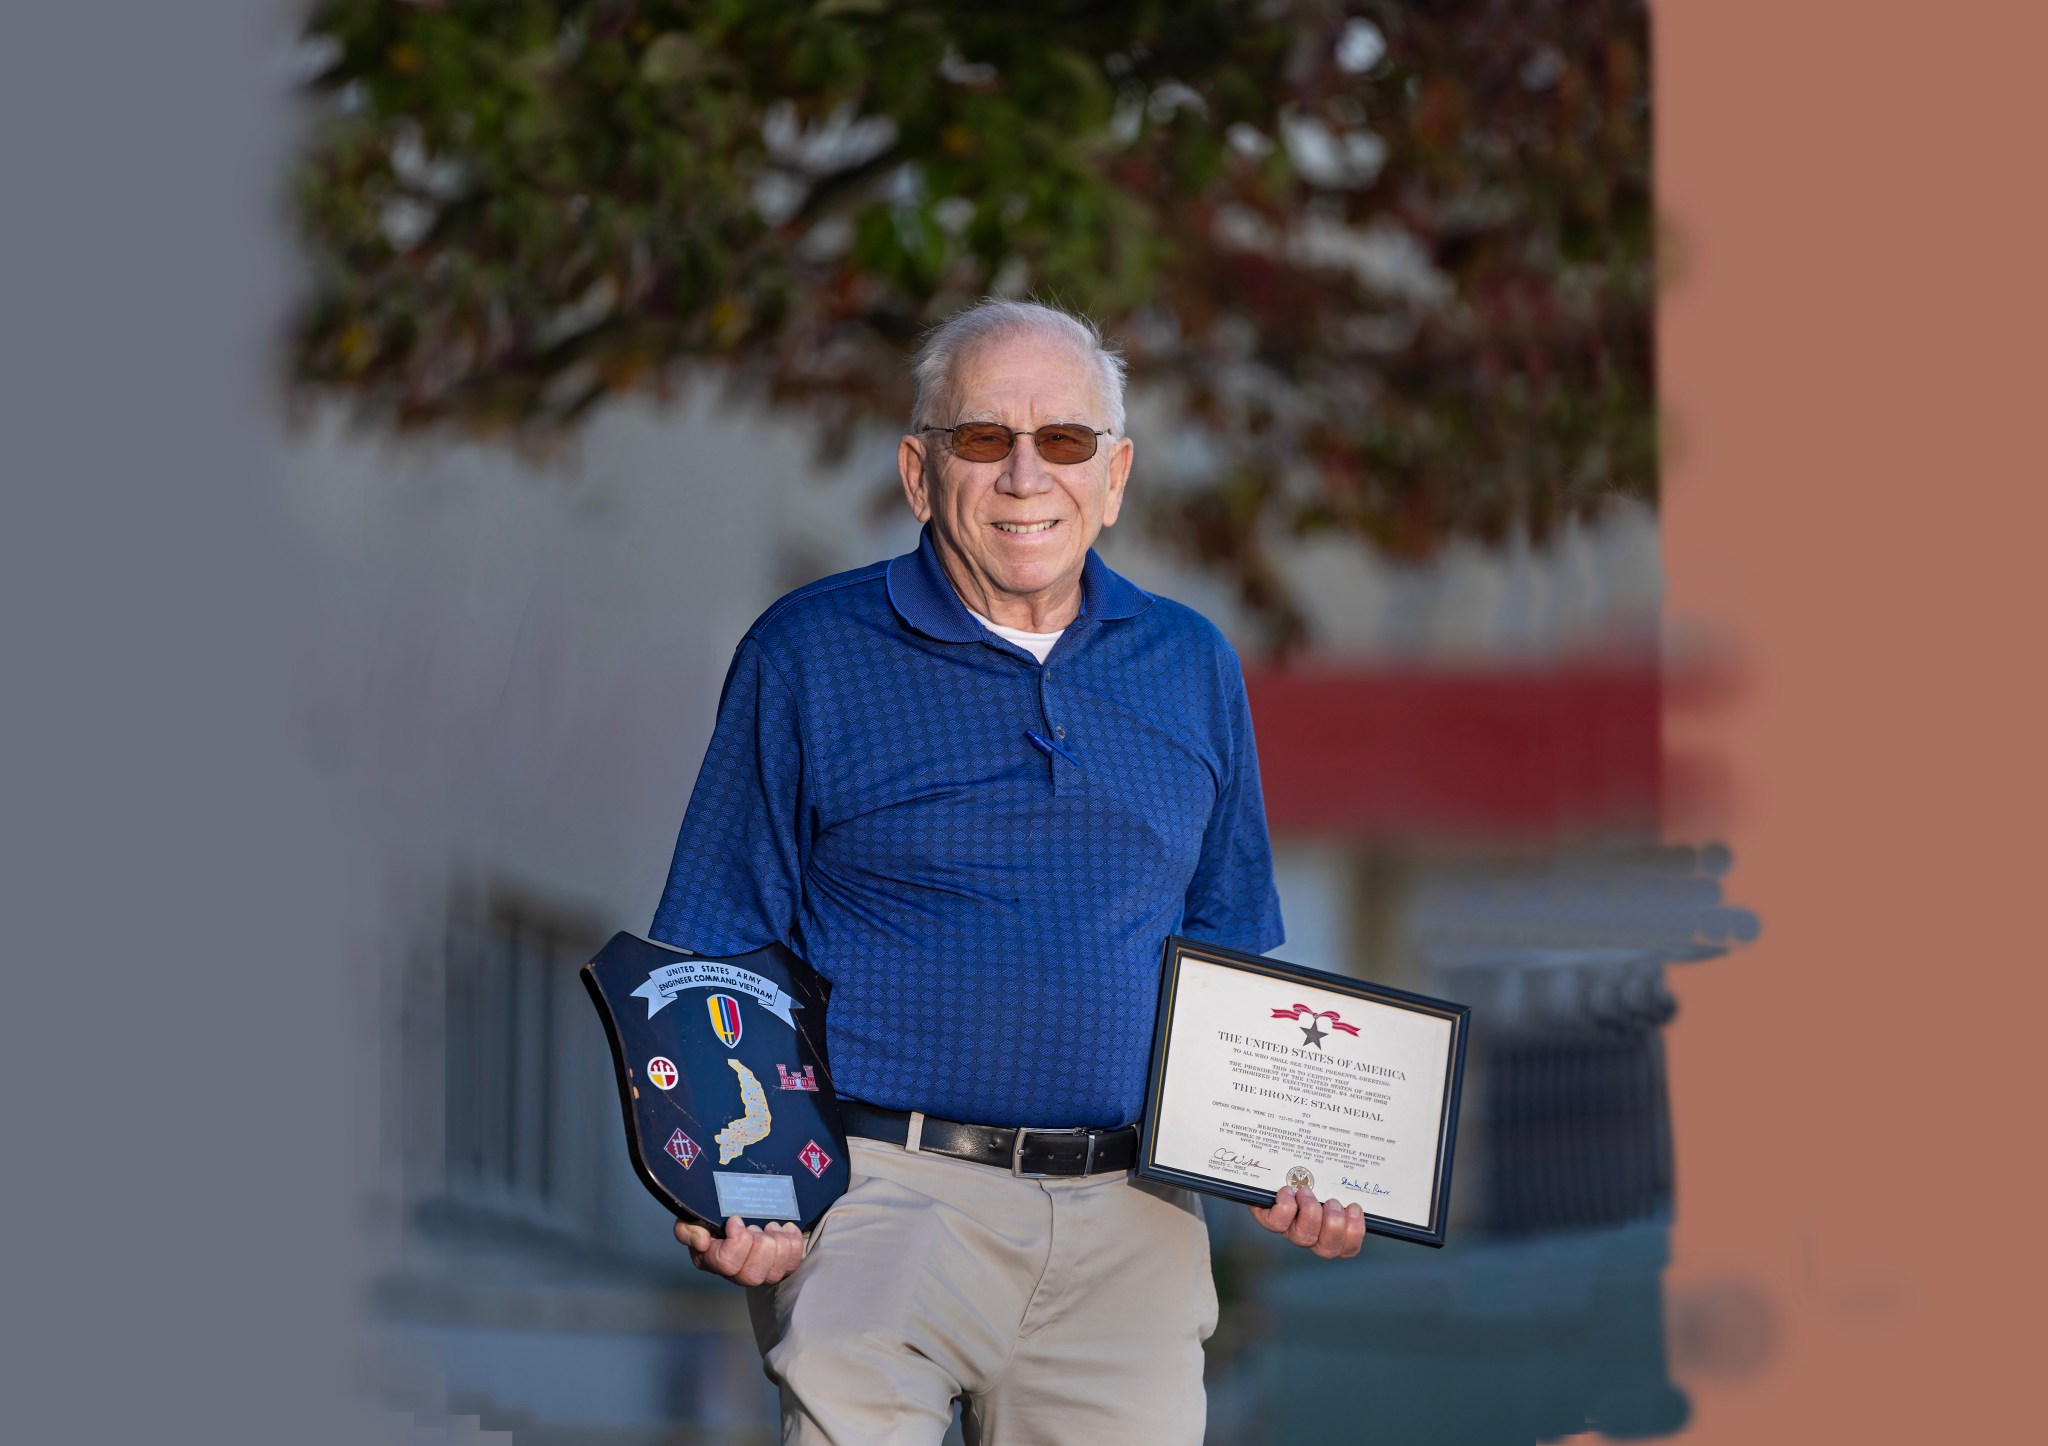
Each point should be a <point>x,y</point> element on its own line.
<point>1027,474</point>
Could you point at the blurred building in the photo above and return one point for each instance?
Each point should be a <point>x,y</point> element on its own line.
<point>522,661</point>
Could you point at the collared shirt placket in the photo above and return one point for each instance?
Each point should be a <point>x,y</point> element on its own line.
<point>1053,741</point>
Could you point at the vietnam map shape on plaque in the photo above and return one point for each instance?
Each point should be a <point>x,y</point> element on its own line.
<point>749,1127</point>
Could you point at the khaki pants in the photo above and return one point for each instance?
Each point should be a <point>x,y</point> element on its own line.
<point>1057,1311</point>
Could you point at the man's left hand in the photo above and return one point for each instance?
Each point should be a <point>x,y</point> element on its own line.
<point>1332,1231</point>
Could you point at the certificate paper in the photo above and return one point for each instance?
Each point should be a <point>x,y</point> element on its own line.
<point>1265,1075</point>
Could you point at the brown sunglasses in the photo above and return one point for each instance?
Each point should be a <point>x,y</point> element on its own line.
<point>1062,443</point>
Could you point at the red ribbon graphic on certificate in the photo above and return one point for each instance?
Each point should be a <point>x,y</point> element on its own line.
<point>1312,1032</point>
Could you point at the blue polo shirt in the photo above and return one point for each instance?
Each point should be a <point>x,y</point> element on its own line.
<point>982,854</point>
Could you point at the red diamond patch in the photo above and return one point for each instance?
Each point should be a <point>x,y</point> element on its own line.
<point>813,1159</point>
<point>684,1149</point>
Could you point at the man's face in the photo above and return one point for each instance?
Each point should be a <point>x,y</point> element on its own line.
<point>1014,534</point>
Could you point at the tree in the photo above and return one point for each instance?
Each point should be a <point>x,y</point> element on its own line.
<point>1388,268</point>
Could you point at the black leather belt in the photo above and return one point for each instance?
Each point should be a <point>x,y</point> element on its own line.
<point>1025,1153</point>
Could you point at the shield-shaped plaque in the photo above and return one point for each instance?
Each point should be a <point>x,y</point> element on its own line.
<point>722,1074</point>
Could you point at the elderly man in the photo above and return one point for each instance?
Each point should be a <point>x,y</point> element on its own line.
<point>976,787</point>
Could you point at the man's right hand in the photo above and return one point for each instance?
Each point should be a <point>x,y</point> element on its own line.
<point>749,1254</point>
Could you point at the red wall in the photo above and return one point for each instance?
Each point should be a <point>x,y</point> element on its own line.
<point>1530,753</point>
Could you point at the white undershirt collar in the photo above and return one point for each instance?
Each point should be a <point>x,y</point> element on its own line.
<point>1039,645</point>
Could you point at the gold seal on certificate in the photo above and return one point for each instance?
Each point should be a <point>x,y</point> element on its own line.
<point>1267,1075</point>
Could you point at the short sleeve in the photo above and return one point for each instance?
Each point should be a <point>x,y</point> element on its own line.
<point>736,882</point>
<point>1231,899</point>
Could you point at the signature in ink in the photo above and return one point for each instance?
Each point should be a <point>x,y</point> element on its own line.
<point>1226,1156</point>
<point>1364,1187</point>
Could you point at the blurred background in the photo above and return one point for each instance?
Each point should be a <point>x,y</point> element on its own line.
<point>600,348</point>
<point>472,374</point>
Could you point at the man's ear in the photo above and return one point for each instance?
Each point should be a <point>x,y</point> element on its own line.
<point>1119,474</point>
<point>910,463</point>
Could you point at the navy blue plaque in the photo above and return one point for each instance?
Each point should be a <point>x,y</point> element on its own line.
<point>723,1079</point>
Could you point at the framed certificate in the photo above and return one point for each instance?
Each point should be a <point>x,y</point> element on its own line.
<point>1267,1074</point>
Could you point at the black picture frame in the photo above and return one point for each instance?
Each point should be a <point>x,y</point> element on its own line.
<point>1177,951</point>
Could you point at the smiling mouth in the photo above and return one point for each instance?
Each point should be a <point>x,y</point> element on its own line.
<point>1026,527</point>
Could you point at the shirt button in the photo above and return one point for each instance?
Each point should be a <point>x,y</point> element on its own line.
<point>1059,732</point>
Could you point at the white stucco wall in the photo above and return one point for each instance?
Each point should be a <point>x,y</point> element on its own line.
<point>518,661</point>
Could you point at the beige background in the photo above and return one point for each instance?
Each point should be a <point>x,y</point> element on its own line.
<point>1852,354</point>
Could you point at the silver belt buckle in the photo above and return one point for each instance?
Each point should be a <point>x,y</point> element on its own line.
<point>1017,1169</point>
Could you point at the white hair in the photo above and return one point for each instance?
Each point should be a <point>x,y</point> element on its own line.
<point>946,344</point>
